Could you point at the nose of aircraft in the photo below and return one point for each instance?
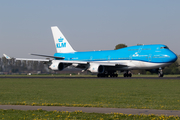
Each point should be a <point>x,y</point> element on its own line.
<point>173,57</point>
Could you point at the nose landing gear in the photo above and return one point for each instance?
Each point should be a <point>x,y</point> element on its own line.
<point>160,73</point>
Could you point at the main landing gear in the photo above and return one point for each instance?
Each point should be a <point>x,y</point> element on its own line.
<point>128,74</point>
<point>108,74</point>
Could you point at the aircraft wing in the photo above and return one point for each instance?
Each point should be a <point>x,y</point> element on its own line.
<point>110,63</point>
<point>72,61</point>
<point>95,62</point>
<point>43,60</point>
<point>61,59</point>
<point>123,64</point>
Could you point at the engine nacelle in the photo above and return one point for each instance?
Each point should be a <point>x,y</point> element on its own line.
<point>96,68</point>
<point>57,65</point>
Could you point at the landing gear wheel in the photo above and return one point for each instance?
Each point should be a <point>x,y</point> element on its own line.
<point>102,75</point>
<point>113,75</point>
<point>98,75</point>
<point>125,75</point>
<point>128,74</point>
<point>108,74</point>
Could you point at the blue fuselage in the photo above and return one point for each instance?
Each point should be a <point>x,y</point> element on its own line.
<point>147,53</point>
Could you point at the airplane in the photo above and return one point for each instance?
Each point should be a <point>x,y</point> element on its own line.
<point>106,63</point>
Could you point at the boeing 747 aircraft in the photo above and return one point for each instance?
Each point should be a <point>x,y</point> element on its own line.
<point>106,63</point>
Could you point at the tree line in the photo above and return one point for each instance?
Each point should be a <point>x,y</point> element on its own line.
<point>13,66</point>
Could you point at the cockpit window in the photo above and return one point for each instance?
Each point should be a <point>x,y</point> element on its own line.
<point>164,47</point>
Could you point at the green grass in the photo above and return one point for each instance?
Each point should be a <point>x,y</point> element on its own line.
<point>113,93</point>
<point>51,115</point>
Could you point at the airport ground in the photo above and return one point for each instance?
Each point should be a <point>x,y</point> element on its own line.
<point>132,93</point>
<point>155,76</point>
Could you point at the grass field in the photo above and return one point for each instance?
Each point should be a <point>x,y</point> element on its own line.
<point>51,115</point>
<point>114,93</point>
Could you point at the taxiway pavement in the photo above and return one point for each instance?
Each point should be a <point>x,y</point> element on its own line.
<point>94,110</point>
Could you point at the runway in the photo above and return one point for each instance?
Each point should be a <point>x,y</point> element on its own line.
<point>56,77</point>
<point>94,110</point>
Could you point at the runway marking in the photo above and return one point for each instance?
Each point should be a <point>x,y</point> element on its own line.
<point>95,110</point>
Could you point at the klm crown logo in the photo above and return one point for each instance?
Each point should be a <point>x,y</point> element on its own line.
<point>61,44</point>
<point>60,39</point>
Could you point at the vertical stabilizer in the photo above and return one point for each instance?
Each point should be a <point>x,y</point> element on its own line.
<point>61,44</point>
<point>7,57</point>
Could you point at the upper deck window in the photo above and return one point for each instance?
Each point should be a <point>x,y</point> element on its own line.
<point>164,47</point>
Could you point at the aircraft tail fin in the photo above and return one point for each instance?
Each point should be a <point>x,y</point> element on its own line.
<point>61,44</point>
<point>7,57</point>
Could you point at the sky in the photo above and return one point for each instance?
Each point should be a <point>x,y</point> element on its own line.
<point>87,24</point>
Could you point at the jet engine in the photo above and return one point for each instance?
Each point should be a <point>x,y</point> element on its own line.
<point>96,68</point>
<point>56,65</point>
